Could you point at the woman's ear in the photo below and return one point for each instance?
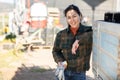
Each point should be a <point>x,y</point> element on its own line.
<point>81,17</point>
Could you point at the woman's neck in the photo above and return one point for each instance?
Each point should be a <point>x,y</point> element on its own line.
<point>74,30</point>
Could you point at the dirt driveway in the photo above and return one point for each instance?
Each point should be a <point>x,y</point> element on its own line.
<point>37,65</point>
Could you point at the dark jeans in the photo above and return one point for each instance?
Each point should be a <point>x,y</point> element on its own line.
<point>74,75</point>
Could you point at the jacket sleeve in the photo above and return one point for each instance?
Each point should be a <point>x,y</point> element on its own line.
<point>88,50</point>
<point>88,46</point>
<point>57,51</point>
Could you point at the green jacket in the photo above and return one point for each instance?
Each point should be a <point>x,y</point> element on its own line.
<point>63,45</point>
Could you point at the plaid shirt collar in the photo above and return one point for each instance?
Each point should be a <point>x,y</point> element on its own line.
<point>81,29</point>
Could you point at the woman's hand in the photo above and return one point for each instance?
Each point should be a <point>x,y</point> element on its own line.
<point>64,64</point>
<point>75,46</point>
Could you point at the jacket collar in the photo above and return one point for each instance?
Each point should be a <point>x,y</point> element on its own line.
<point>80,29</point>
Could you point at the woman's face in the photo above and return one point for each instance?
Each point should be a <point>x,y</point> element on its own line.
<point>73,19</point>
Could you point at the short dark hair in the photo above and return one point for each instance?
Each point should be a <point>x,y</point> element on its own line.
<point>72,7</point>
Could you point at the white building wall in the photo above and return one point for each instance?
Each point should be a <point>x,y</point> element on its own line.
<point>118,6</point>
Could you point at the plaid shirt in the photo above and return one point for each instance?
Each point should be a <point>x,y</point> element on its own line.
<point>63,45</point>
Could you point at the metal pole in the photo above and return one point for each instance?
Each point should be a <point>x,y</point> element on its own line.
<point>3,20</point>
<point>54,3</point>
<point>14,3</point>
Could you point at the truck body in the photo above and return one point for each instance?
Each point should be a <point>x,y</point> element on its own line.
<point>106,50</point>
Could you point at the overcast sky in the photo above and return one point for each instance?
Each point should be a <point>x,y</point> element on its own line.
<point>7,1</point>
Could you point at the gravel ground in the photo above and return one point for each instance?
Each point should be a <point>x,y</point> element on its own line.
<point>38,65</point>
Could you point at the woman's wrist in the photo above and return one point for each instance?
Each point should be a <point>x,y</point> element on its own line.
<point>77,40</point>
<point>64,63</point>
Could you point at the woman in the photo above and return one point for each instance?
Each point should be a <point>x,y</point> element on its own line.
<point>73,46</point>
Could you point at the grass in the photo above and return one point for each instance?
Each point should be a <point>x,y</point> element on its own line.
<point>12,55</point>
<point>39,70</point>
<point>1,78</point>
<point>8,40</point>
<point>7,58</point>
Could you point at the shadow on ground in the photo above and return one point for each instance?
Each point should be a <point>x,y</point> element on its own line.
<point>35,73</point>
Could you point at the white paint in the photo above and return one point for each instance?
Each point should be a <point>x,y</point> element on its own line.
<point>118,6</point>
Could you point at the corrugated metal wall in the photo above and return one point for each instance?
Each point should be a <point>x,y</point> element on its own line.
<point>106,42</point>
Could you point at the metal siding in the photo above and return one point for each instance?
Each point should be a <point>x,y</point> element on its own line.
<point>106,43</point>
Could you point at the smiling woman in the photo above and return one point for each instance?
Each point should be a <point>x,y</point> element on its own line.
<point>73,46</point>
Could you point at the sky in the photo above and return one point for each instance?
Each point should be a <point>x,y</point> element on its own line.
<point>7,1</point>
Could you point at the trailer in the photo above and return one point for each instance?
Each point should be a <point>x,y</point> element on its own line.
<point>106,50</point>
